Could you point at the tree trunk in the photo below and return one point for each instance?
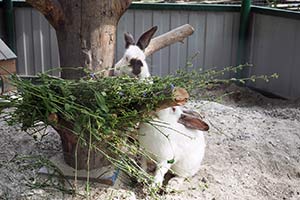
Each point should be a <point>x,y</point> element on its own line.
<point>88,36</point>
<point>86,33</point>
<point>78,156</point>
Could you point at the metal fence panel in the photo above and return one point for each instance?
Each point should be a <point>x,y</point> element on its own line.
<point>214,39</point>
<point>275,47</point>
<point>37,48</point>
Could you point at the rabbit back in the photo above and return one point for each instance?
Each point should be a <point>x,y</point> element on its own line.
<point>153,139</point>
<point>185,147</point>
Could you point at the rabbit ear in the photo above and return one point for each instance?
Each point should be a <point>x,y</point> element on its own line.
<point>191,112</point>
<point>193,122</point>
<point>129,40</point>
<point>145,38</point>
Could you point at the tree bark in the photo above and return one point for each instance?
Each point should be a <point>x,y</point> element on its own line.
<point>86,32</point>
<point>51,9</point>
<point>89,35</point>
<point>77,156</point>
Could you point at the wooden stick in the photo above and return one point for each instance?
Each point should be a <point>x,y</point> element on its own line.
<point>176,35</point>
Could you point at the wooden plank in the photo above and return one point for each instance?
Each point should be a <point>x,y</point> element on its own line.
<point>7,67</point>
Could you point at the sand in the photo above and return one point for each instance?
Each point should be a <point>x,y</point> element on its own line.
<point>253,152</point>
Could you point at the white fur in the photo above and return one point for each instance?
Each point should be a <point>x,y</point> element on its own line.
<point>174,140</point>
<point>132,52</point>
<point>170,140</point>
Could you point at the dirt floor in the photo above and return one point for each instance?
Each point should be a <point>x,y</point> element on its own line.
<point>253,152</point>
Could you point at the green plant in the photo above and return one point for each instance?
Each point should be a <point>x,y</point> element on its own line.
<point>104,112</point>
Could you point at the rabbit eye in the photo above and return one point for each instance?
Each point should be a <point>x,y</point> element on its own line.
<point>174,109</point>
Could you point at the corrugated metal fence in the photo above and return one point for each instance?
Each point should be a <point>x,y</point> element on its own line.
<point>37,48</point>
<point>274,43</point>
<point>214,39</point>
<point>274,47</point>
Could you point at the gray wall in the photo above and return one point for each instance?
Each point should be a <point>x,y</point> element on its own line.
<point>36,43</point>
<point>275,48</point>
<point>214,38</point>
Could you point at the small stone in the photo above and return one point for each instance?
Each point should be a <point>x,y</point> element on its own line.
<point>204,180</point>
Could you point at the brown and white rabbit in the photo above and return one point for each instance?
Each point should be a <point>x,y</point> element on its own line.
<point>133,62</point>
<point>175,140</point>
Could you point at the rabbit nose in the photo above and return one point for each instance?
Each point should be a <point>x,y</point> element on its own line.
<point>136,66</point>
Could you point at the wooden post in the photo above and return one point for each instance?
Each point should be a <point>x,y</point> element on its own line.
<point>74,153</point>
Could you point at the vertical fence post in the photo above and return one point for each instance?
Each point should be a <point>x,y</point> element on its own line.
<point>9,24</point>
<point>243,34</point>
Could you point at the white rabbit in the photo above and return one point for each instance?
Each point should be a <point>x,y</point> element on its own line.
<point>133,62</point>
<point>173,141</point>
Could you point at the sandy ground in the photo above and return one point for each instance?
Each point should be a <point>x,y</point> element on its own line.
<point>253,152</point>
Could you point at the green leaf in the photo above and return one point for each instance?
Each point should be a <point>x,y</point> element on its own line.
<point>67,107</point>
<point>100,100</point>
<point>171,161</point>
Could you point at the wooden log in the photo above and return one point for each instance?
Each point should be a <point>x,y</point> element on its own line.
<point>176,35</point>
<point>77,155</point>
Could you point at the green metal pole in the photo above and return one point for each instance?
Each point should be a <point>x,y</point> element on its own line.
<point>9,24</point>
<point>243,34</point>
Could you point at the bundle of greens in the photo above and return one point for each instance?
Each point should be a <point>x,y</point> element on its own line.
<point>103,112</point>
